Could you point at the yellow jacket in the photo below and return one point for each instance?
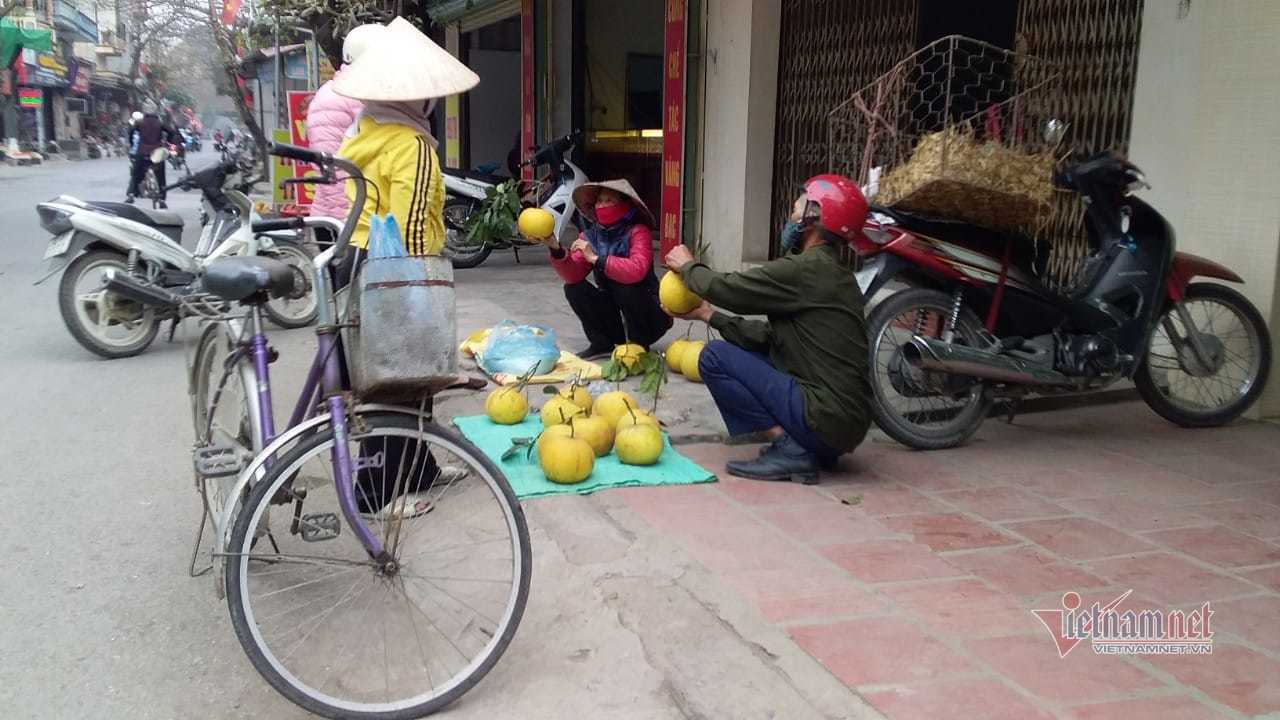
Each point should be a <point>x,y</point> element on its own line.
<point>401,164</point>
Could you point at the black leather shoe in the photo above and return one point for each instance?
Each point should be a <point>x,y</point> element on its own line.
<point>162,205</point>
<point>784,461</point>
<point>129,199</point>
<point>595,352</point>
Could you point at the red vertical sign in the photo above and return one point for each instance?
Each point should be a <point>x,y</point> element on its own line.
<point>526,84</point>
<point>673,124</point>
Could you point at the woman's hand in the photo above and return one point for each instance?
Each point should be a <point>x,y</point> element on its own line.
<point>678,257</point>
<point>703,312</point>
<point>584,247</point>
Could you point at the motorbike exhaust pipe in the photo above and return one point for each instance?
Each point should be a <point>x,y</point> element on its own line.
<point>141,292</point>
<point>930,354</point>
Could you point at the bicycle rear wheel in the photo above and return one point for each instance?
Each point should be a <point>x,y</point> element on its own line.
<point>340,635</point>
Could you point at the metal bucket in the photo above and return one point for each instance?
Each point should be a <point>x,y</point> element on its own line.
<point>404,343</point>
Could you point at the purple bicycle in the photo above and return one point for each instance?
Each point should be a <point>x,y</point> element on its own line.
<point>375,564</point>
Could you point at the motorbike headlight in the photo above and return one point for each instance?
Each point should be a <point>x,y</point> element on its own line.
<point>54,220</point>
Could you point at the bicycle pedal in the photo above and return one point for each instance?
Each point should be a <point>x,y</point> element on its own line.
<point>217,460</point>
<point>317,527</point>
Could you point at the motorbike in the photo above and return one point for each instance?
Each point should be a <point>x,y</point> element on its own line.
<point>94,242</point>
<point>975,325</point>
<point>177,155</point>
<point>465,192</point>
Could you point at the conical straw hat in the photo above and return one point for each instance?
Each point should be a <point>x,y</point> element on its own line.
<point>585,199</point>
<point>404,65</point>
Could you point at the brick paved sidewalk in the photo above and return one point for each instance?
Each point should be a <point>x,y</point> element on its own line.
<point>911,576</point>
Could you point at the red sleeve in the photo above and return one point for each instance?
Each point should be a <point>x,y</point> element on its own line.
<point>635,266</point>
<point>571,266</point>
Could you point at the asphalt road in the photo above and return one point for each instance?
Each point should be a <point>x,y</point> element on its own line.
<point>97,508</point>
<point>99,619</point>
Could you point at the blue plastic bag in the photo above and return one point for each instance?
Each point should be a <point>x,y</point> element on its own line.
<point>384,237</point>
<point>514,349</point>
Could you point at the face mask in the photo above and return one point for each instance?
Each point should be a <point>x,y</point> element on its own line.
<point>610,214</point>
<point>789,238</point>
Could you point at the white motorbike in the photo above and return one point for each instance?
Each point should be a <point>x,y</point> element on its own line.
<point>94,241</point>
<point>466,192</point>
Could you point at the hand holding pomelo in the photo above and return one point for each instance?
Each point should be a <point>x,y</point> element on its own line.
<point>536,223</point>
<point>675,296</point>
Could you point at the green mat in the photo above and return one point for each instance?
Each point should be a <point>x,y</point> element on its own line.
<point>526,477</point>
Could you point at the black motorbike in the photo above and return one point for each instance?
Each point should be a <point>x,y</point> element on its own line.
<point>977,325</point>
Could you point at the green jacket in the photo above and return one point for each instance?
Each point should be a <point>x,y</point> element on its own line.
<point>815,333</point>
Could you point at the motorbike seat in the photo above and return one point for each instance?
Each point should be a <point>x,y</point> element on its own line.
<point>250,280</point>
<point>483,177</point>
<point>154,218</point>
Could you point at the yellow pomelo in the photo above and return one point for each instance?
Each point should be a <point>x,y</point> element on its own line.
<point>639,445</point>
<point>549,432</point>
<point>596,431</point>
<point>566,460</point>
<point>506,406</point>
<point>613,405</point>
<point>628,355</point>
<point>559,410</point>
<point>578,395</point>
<point>536,223</point>
<point>675,296</point>
<point>636,417</point>
<point>689,361</point>
<point>675,351</point>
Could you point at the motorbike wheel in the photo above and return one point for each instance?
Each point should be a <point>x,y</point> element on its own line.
<point>300,308</point>
<point>918,408</point>
<point>461,253</point>
<point>1183,390</point>
<point>104,323</point>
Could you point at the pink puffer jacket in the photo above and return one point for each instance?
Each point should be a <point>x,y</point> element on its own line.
<point>328,118</point>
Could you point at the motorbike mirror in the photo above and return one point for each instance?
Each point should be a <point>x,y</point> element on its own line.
<point>1055,131</point>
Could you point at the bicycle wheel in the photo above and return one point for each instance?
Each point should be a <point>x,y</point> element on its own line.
<point>339,635</point>
<point>220,383</point>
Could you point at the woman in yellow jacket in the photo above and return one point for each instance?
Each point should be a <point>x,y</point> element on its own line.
<point>399,79</point>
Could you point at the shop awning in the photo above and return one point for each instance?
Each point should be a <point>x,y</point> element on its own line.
<point>473,14</point>
<point>14,39</point>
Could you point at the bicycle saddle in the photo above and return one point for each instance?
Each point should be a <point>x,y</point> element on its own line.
<point>248,279</point>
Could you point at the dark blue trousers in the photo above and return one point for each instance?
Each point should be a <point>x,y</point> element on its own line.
<point>753,395</point>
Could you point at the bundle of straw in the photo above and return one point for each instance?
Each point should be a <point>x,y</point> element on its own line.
<point>953,175</point>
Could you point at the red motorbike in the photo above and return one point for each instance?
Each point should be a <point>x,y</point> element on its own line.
<point>976,325</point>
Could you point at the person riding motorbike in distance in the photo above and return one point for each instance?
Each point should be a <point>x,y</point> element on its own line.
<point>800,376</point>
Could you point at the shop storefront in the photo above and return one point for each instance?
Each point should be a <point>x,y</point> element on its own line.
<point>48,76</point>
<point>615,71</point>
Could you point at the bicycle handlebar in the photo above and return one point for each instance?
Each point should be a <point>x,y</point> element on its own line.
<point>294,152</point>
<point>278,224</point>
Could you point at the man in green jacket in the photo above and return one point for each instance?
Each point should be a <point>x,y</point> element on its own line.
<point>801,376</point>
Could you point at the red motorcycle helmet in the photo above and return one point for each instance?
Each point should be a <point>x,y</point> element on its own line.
<point>841,204</point>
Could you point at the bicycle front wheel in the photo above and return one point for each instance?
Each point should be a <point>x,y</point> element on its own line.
<point>345,637</point>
